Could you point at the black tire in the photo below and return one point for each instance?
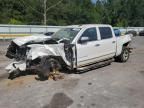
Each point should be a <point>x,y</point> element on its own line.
<point>124,56</point>
<point>47,66</point>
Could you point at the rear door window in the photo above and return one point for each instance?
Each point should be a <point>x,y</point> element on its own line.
<point>105,32</point>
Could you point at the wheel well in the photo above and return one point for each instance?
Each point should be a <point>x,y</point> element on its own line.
<point>58,58</point>
<point>126,44</point>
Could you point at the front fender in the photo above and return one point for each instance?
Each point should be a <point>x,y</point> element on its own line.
<point>39,51</point>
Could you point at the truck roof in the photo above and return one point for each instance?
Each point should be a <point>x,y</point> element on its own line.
<point>89,25</point>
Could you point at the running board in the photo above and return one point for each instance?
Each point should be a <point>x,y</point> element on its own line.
<point>95,65</point>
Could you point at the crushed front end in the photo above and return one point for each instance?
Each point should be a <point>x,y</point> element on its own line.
<point>39,57</point>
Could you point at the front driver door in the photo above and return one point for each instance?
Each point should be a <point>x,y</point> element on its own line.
<point>87,52</point>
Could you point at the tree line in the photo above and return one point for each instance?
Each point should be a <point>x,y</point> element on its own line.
<point>66,12</point>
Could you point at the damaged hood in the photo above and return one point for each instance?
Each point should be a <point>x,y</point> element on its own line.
<point>34,38</point>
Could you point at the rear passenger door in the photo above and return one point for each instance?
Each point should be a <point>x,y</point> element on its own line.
<point>107,42</point>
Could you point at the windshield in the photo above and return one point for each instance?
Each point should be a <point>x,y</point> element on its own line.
<point>66,33</point>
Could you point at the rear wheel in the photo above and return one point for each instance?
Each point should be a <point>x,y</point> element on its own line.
<point>124,56</point>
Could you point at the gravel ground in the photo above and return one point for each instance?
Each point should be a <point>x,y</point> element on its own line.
<point>119,85</point>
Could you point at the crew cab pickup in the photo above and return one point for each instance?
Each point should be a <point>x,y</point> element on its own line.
<point>76,47</point>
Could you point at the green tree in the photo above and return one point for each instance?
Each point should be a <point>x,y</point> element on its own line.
<point>67,12</point>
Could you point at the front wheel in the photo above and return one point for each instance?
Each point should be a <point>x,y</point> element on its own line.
<point>48,65</point>
<point>124,56</point>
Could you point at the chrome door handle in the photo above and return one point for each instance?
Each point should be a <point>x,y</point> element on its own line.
<point>97,45</point>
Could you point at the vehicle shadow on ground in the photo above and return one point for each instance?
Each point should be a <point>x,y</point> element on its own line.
<point>62,72</point>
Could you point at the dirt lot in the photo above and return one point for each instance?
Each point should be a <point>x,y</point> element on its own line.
<point>114,86</point>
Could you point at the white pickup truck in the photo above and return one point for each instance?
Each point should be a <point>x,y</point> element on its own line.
<point>76,47</point>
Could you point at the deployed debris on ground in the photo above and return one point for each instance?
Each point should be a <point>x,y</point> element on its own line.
<point>55,76</point>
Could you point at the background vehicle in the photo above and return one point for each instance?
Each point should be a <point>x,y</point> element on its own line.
<point>117,32</point>
<point>77,47</point>
<point>49,33</point>
<point>45,34</point>
<point>134,33</point>
<point>141,33</point>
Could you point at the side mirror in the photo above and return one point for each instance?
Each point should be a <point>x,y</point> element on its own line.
<point>84,39</point>
<point>117,32</point>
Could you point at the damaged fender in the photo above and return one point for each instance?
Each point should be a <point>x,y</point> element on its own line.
<point>37,50</point>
